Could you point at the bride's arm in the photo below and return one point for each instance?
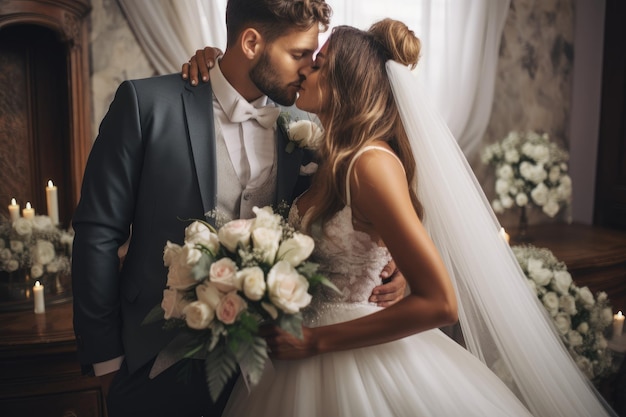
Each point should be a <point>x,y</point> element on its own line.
<point>381,197</point>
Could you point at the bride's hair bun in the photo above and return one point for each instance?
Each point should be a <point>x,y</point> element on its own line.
<point>401,43</point>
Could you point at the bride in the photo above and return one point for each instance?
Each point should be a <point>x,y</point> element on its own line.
<point>393,183</point>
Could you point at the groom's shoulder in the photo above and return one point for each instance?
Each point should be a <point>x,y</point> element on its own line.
<point>164,85</point>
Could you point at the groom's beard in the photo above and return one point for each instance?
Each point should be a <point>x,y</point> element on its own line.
<point>265,78</point>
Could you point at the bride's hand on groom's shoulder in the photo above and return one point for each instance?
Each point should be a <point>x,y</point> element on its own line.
<point>200,64</point>
<point>393,288</point>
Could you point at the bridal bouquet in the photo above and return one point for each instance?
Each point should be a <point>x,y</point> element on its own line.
<point>222,284</point>
<point>580,318</point>
<point>529,169</point>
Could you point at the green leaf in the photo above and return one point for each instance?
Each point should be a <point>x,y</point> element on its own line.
<point>155,315</point>
<point>291,323</point>
<point>220,366</point>
<point>201,269</point>
<point>251,357</point>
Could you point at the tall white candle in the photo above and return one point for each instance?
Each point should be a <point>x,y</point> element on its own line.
<point>40,303</point>
<point>14,210</point>
<point>53,202</point>
<point>29,211</point>
<point>618,324</point>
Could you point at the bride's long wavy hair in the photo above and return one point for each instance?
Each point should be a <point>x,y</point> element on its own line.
<point>359,108</point>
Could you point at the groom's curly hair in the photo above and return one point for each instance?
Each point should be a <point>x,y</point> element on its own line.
<point>273,18</point>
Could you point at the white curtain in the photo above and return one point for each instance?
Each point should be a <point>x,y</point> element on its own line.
<point>460,43</point>
<point>170,31</point>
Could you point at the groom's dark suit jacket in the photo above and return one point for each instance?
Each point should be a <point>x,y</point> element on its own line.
<point>152,166</point>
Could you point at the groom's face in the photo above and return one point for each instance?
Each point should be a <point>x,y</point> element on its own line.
<point>284,64</point>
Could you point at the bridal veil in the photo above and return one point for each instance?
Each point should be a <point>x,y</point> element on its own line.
<point>502,321</point>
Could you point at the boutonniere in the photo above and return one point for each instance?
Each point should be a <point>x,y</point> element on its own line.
<point>301,133</point>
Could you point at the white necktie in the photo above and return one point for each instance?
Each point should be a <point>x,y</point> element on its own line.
<point>265,116</point>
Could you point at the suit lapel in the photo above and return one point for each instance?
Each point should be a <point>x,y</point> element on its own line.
<point>288,167</point>
<point>198,108</point>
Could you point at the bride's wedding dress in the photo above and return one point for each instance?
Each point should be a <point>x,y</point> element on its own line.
<point>427,374</point>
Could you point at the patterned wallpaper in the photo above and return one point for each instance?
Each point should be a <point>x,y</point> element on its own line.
<point>533,86</point>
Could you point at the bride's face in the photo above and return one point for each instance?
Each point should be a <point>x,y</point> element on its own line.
<point>310,97</point>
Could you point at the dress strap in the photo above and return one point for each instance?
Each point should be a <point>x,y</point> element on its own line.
<point>356,156</point>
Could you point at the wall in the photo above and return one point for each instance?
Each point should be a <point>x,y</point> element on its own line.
<point>533,87</point>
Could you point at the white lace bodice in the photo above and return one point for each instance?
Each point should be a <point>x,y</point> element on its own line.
<point>348,257</point>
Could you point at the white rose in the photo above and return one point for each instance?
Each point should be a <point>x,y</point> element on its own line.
<point>173,304</point>
<point>497,206</point>
<point>538,174</point>
<point>180,261</point>
<point>209,294</point>
<point>606,316</point>
<point>568,304</point>
<point>502,186</point>
<point>585,366</point>
<point>305,133</point>
<point>198,315</point>
<point>230,307</point>
<point>54,266</point>
<point>538,273</point>
<point>551,302</point>
<point>235,233</point>
<point>551,208</point>
<point>575,338</point>
<point>583,327</point>
<point>521,199</point>
<point>43,252</point>
<point>554,174</point>
<point>267,240</point>
<point>253,280</point>
<point>563,323</point>
<point>36,271</point>
<point>562,281</point>
<point>539,194</point>
<point>541,154</point>
<point>23,227</point>
<point>223,274</point>
<point>12,265</point>
<point>5,254</point>
<point>505,172</point>
<point>198,233</point>
<point>507,202</point>
<point>526,169</point>
<point>42,223</point>
<point>287,289</point>
<point>601,342</point>
<point>265,218</point>
<point>602,297</point>
<point>586,296</point>
<point>17,246</point>
<point>296,249</point>
<point>511,156</point>
<point>564,190</point>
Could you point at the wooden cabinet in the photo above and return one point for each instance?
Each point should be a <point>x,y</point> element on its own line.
<point>40,375</point>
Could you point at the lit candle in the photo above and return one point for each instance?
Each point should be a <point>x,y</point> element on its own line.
<point>504,234</point>
<point>40,304</point>
<point>14,210</point>
<point>53,202</point>
<point>28,212</point>
<point>618,324</point>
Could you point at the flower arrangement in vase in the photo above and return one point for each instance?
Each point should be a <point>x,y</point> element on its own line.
<point>530,170</point>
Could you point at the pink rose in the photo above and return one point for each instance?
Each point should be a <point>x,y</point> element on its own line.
<point>223,274</point>
<point>230,307</point>
<point>235,233</point>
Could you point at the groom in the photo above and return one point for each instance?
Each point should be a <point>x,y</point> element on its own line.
<point>167,152</point>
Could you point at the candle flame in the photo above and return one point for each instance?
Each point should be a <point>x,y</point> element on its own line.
<point>50,184</point>
<point>28,206</point>
<point>13,202</point>
<point>619,314</point>
<point>37,284</point>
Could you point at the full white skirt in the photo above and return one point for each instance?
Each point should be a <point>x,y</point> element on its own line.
<point>427,374</point>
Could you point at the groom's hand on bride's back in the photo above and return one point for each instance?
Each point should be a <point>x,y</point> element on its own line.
<point>393,288</point>
<point>200,64</point>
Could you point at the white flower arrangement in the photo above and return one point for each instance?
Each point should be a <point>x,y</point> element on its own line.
<point>529,169</point>
<point>35,246</point>
<point>222,284</point>
<point>301,133</point>
<point>580,318</point>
